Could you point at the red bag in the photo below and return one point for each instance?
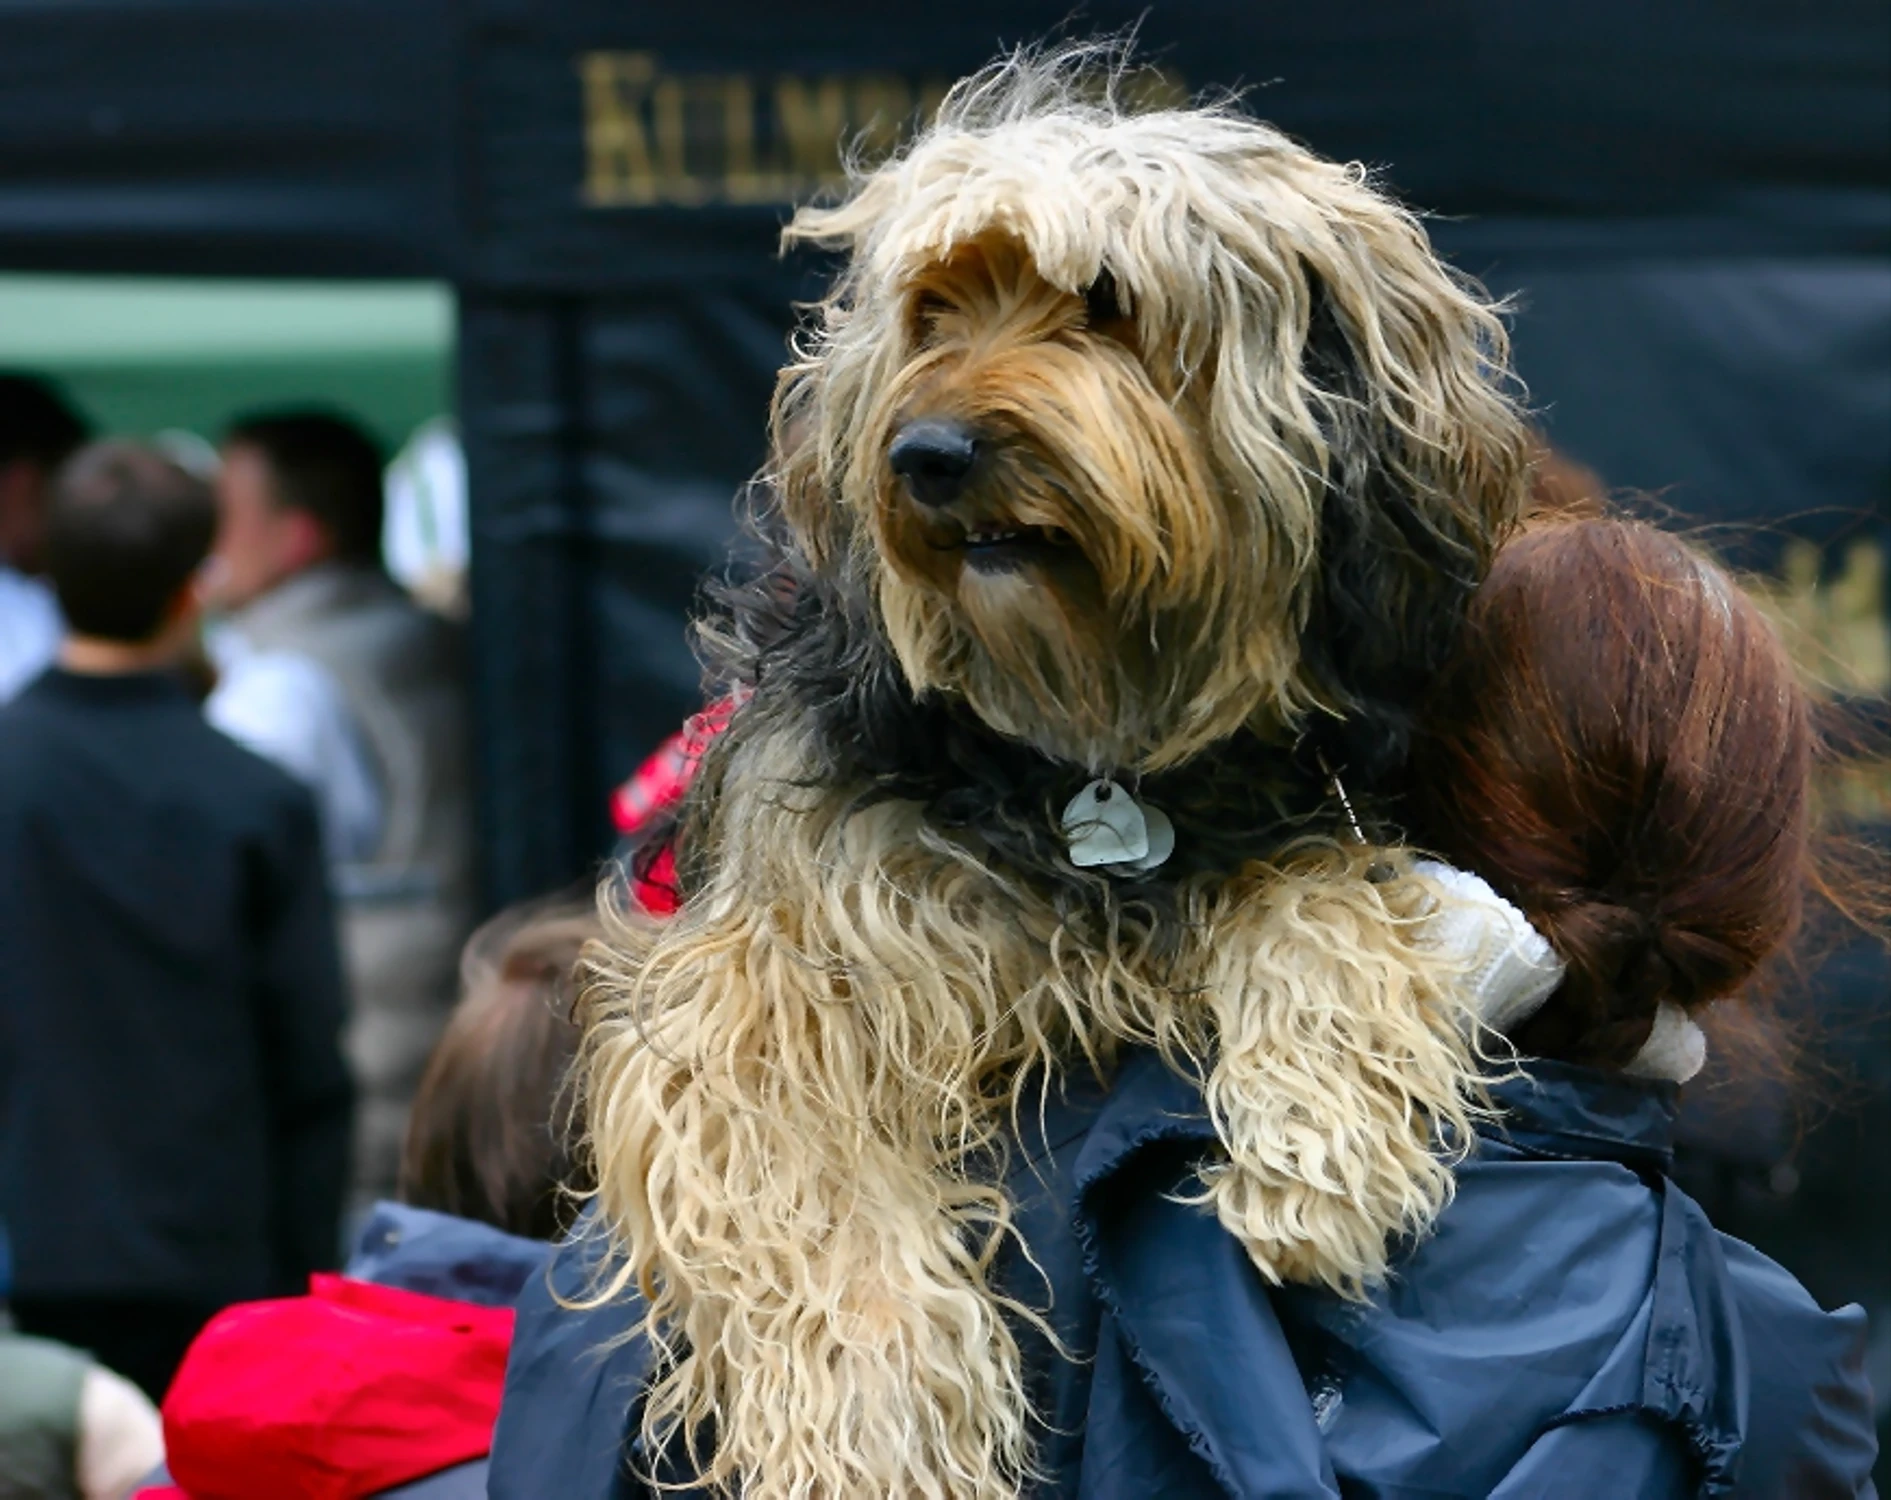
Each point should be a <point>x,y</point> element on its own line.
<point>346,1392</point>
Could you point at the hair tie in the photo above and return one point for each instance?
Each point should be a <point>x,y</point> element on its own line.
<point>1676,1048</point>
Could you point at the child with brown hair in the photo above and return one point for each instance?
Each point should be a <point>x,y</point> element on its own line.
<point>1622,748</point>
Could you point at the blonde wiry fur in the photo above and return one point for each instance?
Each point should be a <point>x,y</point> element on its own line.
<point>800,1088</point>
<point>797,1080</point>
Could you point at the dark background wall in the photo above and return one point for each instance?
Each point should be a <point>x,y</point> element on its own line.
<point>227,137</point>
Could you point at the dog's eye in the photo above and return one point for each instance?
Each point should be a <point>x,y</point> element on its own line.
<point>1100,302</point>
<point>928,309</point>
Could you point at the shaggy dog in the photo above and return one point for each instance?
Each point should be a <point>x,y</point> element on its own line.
<point>1142,456</point>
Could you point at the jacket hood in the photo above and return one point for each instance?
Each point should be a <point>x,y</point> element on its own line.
<point>348,1392</point>
<point>442,1255</point>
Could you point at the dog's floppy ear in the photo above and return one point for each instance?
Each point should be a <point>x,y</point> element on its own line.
<point>1424,477</point>
<point>835,369</point>
<point>795,477</point>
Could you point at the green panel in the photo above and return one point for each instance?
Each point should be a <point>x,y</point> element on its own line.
<point>142,355</point>
<point>392,394</point>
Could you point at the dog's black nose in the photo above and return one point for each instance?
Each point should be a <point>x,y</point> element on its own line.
<point>933,457</point>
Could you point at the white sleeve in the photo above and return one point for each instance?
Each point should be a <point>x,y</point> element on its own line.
<point>30,628</point>
<point>288,710</point>
<point>121,1439</point>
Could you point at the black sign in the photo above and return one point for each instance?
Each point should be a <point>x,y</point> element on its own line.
<point>612,144</point>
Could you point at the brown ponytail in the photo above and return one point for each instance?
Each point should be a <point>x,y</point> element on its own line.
<point>1621,747</point>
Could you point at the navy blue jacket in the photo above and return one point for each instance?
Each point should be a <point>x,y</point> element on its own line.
<point>171,1004</point>
<point>443,1255</point>
<point>1574,1328</point>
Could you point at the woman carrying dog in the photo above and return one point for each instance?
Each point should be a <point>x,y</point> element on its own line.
<point>1620,747</point>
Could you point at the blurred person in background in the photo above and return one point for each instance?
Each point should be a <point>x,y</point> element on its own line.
<point>330,670</point>
<point>38,432</point>
<point>394,1385</point>
<point>69,1428</point>
<point>174,1108</point>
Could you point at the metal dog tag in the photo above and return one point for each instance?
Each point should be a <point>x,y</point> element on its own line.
<point>1161,838</point>
<point>1105,826</point>
<point>1108,827</point>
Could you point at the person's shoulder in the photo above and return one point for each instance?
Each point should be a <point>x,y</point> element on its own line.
<point>41,728</point>
<point>28,1363</point>
<point>1811,1427</point>
<point>1578,1212</point>
<point>271,686</point>
<point>1767,1289</point>
<point>1785,1320</point>
<point>27,709</point>
<point>402,624</point>
<point>41,1385</point>
<point>30,626</point>
<point>252,782</point>
<point>231,760</point>
<point>444,1255</point>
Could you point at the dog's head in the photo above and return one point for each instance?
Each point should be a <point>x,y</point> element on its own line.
<point>1142,429</point>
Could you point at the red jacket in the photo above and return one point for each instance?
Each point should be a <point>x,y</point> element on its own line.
<point>348,1392</point>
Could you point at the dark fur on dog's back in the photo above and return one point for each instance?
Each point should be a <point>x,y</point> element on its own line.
<point>1392,590</point>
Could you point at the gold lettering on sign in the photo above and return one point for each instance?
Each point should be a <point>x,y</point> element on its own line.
<point>619,168</point>
<point>813,120</point>
<point>1835,621</point>
<point>688,139</point>
<point>670,101</point>
<point>741,178</point>
<point>932,94</point>
<point>882,105</point>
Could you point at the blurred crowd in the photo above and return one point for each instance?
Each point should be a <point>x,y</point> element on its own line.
<point>235,830</point>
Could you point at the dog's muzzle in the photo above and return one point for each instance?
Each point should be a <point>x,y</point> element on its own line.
<point>934,457</point>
